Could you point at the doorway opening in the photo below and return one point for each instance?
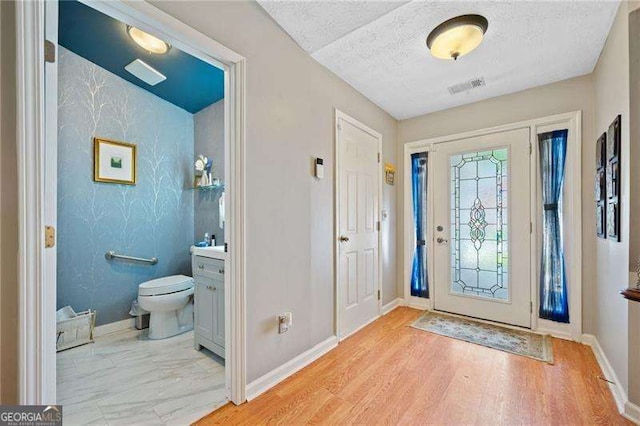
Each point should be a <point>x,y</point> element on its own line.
<point>481,239</point>
<point>141,179</point>
<point>127,147</point>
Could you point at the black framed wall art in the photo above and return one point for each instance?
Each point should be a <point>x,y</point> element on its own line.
<point>601,186</point>
<point>613,161</point>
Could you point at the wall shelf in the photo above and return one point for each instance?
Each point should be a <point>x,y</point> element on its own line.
<point>219,186</point>
<point>631,294</point>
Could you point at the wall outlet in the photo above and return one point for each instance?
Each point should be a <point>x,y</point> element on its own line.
<point>284,322</point>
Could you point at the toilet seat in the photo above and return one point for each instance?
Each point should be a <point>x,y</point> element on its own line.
<point>165,285</point>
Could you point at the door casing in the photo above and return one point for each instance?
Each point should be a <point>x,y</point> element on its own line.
<point>572,210</point>
<point>36,143</point>
<point>341,115</point>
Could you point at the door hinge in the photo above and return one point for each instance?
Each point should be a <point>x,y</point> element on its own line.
<point>379,157</point>
<point>530,148</point>
<point>531,307</point>
<point>378,294</point>
<point>378,225</point>
<point>49,236</point>
<point>49,51</point>
<point>531,227</point>
<point>226,247</point>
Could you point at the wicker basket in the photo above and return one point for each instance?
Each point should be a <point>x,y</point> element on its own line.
<point>75,331</point>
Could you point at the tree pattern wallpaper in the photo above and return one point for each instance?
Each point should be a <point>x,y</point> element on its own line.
<point>155,217</point>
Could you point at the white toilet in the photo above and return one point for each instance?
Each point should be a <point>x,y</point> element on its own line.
<point>168,299</point>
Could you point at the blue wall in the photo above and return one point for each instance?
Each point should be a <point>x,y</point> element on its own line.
<point>152,218</point>
<point>209,141</point>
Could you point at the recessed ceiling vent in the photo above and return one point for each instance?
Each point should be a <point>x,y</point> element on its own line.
<point>474,83</point>
<point>145,72</point>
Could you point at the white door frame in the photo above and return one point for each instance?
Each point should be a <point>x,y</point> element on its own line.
<point>336,216</point>
<point>36,269</point>
<point>572,211</point>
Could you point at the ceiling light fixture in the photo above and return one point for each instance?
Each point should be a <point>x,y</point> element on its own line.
<point>151,44</point>
<point>457,36</point>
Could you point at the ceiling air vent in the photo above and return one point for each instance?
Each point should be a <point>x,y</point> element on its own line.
<point>474,83</point>
<point>145,72</point>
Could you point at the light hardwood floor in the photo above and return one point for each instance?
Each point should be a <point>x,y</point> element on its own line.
<point>390,373</point>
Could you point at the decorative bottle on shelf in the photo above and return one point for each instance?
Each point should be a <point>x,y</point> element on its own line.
<point>204,180</point>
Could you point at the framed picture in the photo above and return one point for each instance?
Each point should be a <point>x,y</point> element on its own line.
<point>601,186</point>
<point>114,162</point>
<point>601,221</point>
<point>613,179</point>
<point>390,174</point>
<point>601,152</point>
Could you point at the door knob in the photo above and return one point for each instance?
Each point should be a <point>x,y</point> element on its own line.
<point>441,240</point>
<point>344,238</point>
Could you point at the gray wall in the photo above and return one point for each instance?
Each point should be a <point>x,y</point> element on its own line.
<point>209,141</point>
<point>611,89</point>
<point>290,237</point>
<point>152,218</point>
<point>564,96</point>
<point>8,209</point>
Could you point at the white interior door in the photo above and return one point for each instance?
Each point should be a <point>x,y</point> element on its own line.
<point>482,233</point>
<point>358,251</point>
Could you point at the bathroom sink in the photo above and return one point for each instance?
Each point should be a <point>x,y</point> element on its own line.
<point>216,252</point>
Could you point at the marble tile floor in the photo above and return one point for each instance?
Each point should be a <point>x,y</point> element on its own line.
<point>126,379</point>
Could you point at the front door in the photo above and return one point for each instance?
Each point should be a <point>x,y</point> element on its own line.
<point>482,227</point>
<point>358,174</point>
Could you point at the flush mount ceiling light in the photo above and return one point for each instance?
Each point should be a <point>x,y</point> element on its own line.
<point>457,36</point>
<point>151,44</point>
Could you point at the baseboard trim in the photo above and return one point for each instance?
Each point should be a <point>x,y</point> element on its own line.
<point>632,412</point>
<point>392,305</point>
<point>555,333</point>
<point>627,409</point>
<point>423,305</point>
<point>272,378</point>
<point>114,327</point>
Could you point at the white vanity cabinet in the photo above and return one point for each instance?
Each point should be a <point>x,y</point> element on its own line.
<point>208,274</point>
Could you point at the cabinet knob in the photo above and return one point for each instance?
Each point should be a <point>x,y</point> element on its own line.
<point>221,271</point>
<point>200,266</point>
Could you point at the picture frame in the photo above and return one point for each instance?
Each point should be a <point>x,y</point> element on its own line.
<point>613,174</point>
<point>114,161</point>
<point>601,186</point>
<point>389,174</point>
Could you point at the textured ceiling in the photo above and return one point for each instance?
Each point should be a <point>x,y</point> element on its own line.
<point>315,24</point>
<point>379,48</point>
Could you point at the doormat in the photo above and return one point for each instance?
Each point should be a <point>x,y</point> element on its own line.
<point>518,342</point>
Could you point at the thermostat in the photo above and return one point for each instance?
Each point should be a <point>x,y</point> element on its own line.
<point>319,172</point>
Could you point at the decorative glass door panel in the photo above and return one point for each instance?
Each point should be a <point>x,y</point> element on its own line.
<point>479,244</point>
<point>481,236</point>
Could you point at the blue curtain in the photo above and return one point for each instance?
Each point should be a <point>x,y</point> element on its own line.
<point>553,281</point>
<point>419,279</point>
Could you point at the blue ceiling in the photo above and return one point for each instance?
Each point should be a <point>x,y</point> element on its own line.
<point>191,84</point>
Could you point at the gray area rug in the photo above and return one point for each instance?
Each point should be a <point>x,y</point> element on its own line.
<point>518,342</point>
